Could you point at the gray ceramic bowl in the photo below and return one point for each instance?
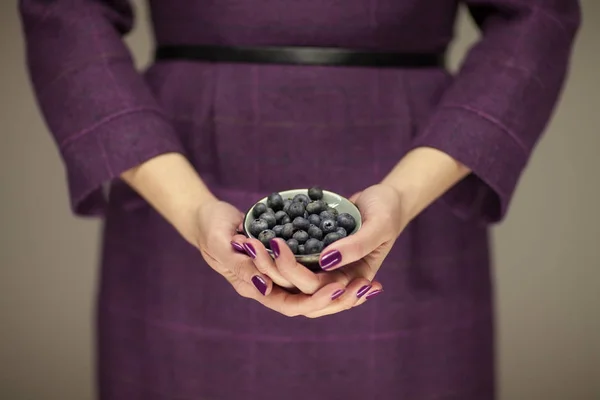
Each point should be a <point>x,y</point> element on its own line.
<point>334,200</point>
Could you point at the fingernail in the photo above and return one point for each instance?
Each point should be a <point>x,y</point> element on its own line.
<point>363,290</point>
<point>337,294</point>
<point>373,294</point>
<point>331,259</point>
<point>274,247</point>
<point>250,250</point>
<point>238,247</point>
<point>260,284</point>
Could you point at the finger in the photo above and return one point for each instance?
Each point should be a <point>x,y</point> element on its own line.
<point>366,291</point>
<point>354,295</point>
<point>240,228</point>
<point>293,305</point>
<point>236,267</point>
<point>371,294</point>
<point>354,197</point>
<point>237,243</point>
<point>346,300</point>
<point>264,262</point>
<point>297,274</point>
<point>352,248</point>
<point>243,270</point>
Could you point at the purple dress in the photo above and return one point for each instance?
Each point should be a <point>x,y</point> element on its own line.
<point>169,327</point>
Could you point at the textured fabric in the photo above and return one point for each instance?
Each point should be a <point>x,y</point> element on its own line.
<point>493,115</point>
<point>171,328</point>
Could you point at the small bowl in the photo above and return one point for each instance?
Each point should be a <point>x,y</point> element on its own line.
<point>334,200</point>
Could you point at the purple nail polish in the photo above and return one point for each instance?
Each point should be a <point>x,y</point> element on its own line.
<point>260,284</point>
<point>238,247</point>
<point>250,250</point>
<point>274,247</point>
<point>373,294</point>
<point>363,290</point>
<point>331,259</point>
<point>337,294</point>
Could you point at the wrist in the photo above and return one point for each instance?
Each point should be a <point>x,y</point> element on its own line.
<point>421,177</point>
<point>408,200</point>
<point>186,212</point>
<point>172,186</point>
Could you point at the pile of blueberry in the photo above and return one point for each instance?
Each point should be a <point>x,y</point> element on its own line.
<point>307,223</point>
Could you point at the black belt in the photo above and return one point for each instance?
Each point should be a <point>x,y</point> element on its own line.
<point>299,56</point>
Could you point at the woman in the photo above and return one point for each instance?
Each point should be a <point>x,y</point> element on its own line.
<point>432,160</point>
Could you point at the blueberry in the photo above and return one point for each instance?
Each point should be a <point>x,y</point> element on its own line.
<point>287,231</point>
<point>270,211</point>
<point>259,209</point>
<point>278,229</point>
<point>301,223</point>
<point>293,245</point>
<point>286,220</point>
<point>257,226</point>
<point>301,249</point>
<point>265,236</point>
<point>312,208</point>
<point>315,193</point>
<point>314,219</point>
<point>279,215</point>
<point>301,198</point>
<point>270,218</point>
<point>306,214</point>
<point>328,226</point>
<point>326,215</point>
<point>296,210</point>
<point>315,207</point>
<point>332,210</point>
<point>275,201</point>
<point>330,238</point>
<point>315,232</point>
<point>342,232</point>
<point>286,204</point>
<point>313,246</point>
<point>347,222</point>
<point>301,236</point>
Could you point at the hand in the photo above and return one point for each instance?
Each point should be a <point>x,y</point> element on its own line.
<point>361,254</point>
<point>170,183</point>
<point>221,247</point>
<point>353,284</point>
<point>383,219</point>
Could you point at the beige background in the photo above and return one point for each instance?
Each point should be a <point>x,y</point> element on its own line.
<point>547,252</point>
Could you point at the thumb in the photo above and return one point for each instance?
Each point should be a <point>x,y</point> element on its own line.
<point>240,228</point>
<point>354,197</point>
<point>352,248</point>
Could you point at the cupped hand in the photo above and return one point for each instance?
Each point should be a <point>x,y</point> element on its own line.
<point>354,284</point>
<point>361,254</point>
<point>383,219</point>
<point>222,248</point>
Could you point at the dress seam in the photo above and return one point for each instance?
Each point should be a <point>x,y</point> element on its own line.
<point>242,337</point>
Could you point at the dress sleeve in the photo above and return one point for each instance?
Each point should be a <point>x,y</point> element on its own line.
<point>102,115</point>
<point>502,98</point>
